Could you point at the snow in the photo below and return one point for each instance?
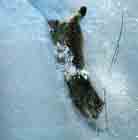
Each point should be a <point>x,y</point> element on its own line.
<point>33,97</point>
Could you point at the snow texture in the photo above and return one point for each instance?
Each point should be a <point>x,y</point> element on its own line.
<point>33,97</point>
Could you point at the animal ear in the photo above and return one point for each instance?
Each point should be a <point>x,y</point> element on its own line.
<point>53,24</point>
<point>83,11</point>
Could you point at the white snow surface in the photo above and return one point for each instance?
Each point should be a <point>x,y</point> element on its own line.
<point>34,99</point>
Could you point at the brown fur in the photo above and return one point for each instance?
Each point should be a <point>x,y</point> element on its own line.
<point>84,96</point>
<point>72,37</point>
<point>74,40</point>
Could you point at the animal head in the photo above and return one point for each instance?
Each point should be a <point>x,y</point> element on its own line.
<point>57,30</point>
<point>53,24</point>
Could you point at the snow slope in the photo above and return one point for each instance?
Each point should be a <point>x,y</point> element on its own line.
<point>34,100</point>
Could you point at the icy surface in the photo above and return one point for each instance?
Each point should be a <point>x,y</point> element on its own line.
<point>33,98</point>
